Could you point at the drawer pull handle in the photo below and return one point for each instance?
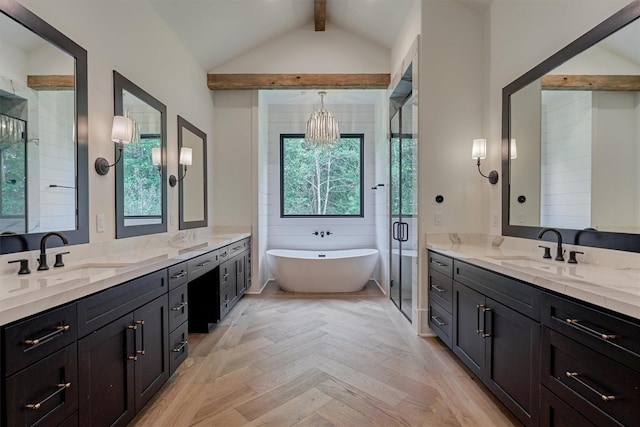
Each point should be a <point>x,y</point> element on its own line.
<point>205,263</point>
<point>61,388</point>
<point>134,358</point>
<point>180,307</point>
<point>438,288</point>
<point>179,275</point>
<point>439,264</point>
<point>437,321</point>
<point>224,276</point>
<point>58,331</point>
<point>182,345</point>
<point>577,324</point>
<point>575,376</point>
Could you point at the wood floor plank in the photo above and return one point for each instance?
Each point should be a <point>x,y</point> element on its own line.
<point>278,396</point>
<point>365,383</point>
<point>294,410</point>
<point>276,377</point>
<point>314,420</point>
<point>378,413</point>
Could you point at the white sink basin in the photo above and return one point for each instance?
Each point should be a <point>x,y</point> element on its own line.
<point>84,270</point>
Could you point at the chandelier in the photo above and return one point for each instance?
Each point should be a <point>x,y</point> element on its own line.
<point>322,127</point>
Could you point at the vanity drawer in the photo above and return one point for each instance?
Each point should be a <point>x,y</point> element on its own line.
<point>51,383</point>
<point>237,247</point>
<point>608,334</point>
<point>202,264</point>
<point>224,254</point>
<point>179,347</point>
<point>441,264</point>
<point>178,310</point>
<point>30,340</point>
<point>102,308</point>
<point>598,387</point>
<point>555,412</point>
<point>517,295</point>
<point>178,275</point>
<point>441,322</point>
<point>441,289</point>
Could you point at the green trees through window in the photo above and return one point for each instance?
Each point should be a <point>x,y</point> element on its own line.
<point>321,181</point>
<point>142,189</point>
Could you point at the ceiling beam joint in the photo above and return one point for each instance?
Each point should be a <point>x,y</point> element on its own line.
<point>319,14</point>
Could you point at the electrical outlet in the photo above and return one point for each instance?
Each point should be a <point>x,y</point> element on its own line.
<point>100,223</point>
<point>172,219</point>
<point>522,218</point>
<point>494,219</point>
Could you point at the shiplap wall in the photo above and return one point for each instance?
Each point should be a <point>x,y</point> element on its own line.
<point>296,233</point>
<point>566,159</point>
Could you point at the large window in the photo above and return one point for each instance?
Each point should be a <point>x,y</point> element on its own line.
<point>321,182</point>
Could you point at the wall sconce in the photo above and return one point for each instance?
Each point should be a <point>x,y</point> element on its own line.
<point>513,150</point>
<point>185,160</point>
<point>121,133</point>
<point>479,151</point>
<point>156,158</point>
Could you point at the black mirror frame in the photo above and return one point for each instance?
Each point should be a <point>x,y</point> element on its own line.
<point>121,83</point>
<point>28,242</point>
<point>608,240</point>
<point>186,225</point>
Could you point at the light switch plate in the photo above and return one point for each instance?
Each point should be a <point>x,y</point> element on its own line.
<point>100,223</point>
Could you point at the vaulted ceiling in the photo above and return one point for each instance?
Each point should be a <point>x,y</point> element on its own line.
<point>216,31</point>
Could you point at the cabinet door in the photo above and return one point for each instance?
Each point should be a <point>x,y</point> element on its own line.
<point>106,372</point>
<point>512,343</point>
<point>152,349</point>
<point>241,278</point>
<point>468,342</point>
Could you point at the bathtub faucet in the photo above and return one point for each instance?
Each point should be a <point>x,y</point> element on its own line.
<point>322,234</point>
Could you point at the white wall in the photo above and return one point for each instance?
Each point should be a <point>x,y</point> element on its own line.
<point>307,51</point>
<point>565,166</point>
<point>130,37</point>
<point>296,233</point>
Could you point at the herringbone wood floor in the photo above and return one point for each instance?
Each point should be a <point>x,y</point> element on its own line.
<point>280,359</point>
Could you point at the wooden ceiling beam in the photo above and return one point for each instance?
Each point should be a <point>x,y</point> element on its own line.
<point>626,83</point>
<point>51,82</point>
<point>319,14</point>
<point>297,81</point>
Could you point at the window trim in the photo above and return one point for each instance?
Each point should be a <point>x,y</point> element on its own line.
<point>285,136</point>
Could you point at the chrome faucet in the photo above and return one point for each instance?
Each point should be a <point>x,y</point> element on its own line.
<point>43,248</point>
<point>560,251</point>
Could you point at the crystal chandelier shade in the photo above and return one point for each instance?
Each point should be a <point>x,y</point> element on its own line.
<point>322,127</point>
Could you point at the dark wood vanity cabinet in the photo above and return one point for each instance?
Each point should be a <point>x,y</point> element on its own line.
<point>123,362</point>
<point>40,375</point>
<point>591,361</point>
<point>552,360</point>
<point>440,296</point>
<point>499,344</point>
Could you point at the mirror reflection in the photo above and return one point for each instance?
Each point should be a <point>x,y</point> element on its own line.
<point>577,131</point>
<point>140,176</point>
<point>37,133</point>
<point>192,181</point>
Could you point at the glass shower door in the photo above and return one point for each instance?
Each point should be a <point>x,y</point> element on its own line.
<point>404,236</point>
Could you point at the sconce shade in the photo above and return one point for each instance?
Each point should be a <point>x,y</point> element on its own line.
<point>122,130</point>
<point>156,156</point>
<point>186,156</point>
<point>513,149</point>
<point>479,149</point>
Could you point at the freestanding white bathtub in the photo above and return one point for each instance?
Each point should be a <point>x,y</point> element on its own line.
<point>322,271</point>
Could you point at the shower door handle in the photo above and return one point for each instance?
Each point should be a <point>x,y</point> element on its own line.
<point>404,234</point>
<point>394,230</point>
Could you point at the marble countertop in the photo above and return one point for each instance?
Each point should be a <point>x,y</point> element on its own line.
<point>24,295</point>
<point>617,289</point>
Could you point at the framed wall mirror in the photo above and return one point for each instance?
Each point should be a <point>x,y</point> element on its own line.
<point>192,180</point>
<point>571,140</point>
<point>141,181</point>
<point>43,132</point>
